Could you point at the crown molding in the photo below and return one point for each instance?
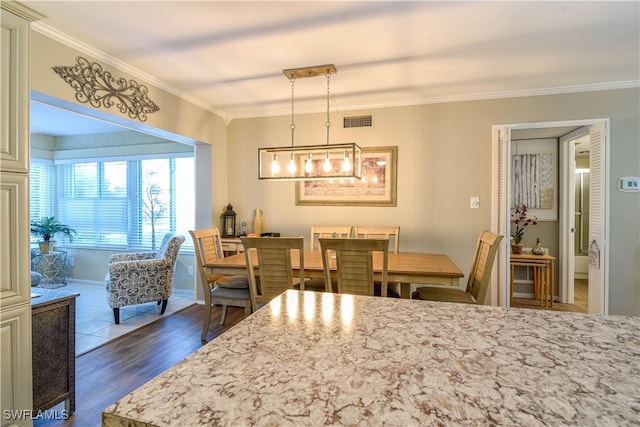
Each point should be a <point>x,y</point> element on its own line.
<point>101,56</point>
<point>21,10</point>
<point>483,96</point>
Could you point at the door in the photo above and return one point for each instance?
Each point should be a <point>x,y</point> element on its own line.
<point>501,188</point>
<point>598,222</point>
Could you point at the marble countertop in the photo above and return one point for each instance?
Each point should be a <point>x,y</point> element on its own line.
<point>328,359</point>
<point>40,296</point>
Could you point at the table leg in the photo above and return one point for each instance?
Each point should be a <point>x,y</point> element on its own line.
<point>405,290</point>
<point>545,277</point>
<point>536,283</point>
<point>552,277</point>
<point>513,272</point>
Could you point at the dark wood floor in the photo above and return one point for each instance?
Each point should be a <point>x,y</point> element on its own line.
<point>581,293</point>
<point>108,373</point>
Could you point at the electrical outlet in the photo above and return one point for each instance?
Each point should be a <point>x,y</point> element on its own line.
<point>190,270</point>
<point>474,202</point>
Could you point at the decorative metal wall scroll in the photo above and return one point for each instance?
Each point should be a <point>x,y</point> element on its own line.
<point>99,87</point>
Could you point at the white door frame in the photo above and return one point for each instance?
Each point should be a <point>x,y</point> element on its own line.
<point>567,225</point>
<point>499,187</point>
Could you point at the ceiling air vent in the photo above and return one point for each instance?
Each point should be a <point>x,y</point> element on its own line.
<point>365,121</point>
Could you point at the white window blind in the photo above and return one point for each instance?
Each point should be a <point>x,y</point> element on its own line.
<point>128,203</point>
<point>41,189</point>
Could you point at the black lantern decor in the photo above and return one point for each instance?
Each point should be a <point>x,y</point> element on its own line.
<point>229,222</point>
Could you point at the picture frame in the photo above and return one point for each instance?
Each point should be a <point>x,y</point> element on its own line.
<point>377,186</point>
<point>534,177</point>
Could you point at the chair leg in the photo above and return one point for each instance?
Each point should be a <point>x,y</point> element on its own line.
<point>116,315</point>
<point>164,305</point>
<point>223,315</point>
<point>205,325</point>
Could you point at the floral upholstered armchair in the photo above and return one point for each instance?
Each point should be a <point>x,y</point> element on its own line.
<point>138,278</point>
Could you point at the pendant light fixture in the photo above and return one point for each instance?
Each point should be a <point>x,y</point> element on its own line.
<point>310,162</point>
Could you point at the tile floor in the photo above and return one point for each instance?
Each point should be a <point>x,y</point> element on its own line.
<point>94,317</point>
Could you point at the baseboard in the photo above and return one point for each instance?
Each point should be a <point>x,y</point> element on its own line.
<point>88,282</point>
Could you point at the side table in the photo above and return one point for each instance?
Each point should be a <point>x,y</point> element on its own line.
<point>543,276</point>
<point>53,267</point>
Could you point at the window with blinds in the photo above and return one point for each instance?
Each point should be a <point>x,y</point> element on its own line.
<point>127,202</point>
<point>40,190</point>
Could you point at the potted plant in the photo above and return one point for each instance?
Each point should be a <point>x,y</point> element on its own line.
<point>47,228</point>
<point>519,218</point>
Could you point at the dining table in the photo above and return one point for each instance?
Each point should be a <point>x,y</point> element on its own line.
<point>321,358</point>
<point>403,267</point>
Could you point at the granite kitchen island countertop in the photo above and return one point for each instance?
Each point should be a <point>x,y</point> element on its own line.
<point>327,359</point>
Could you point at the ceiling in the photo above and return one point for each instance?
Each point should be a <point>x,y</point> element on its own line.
<point>228,57</point>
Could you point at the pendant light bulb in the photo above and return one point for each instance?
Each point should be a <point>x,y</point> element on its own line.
<point>308,165</point>
<point>275,166</point>
<point>327,163</point>
<point>346,163</point>
<point>291,167</point>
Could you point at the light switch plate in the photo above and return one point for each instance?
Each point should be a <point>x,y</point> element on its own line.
<point>474,202</point>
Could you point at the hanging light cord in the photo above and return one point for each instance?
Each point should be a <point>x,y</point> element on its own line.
<point>328,123</point>
<point>292,125</point>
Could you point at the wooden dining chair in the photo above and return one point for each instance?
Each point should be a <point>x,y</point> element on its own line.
<point>382,232</point>
<point>354,264</point>
<point>328,231</point>
<point>275,273</point>
<point>478,283</point>
<point>325,231</point>
<point>218,289</point>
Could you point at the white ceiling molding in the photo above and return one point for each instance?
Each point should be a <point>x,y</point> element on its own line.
<point>98,55</point>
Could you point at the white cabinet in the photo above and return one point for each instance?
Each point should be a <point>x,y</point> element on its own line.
<point>15,283</point>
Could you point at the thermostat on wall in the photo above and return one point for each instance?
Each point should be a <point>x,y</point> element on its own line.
<point>629,183</point>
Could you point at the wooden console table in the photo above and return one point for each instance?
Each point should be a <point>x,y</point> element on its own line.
<point>543,276</point>
<point>53,325</point>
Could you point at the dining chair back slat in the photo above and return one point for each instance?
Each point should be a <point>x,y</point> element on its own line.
<point>275,274</point>
<point>486,249</point>
<point>380,232</point>
<point>328,231</point>
<point>354,264</point>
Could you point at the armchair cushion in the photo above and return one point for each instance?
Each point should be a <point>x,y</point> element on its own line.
<point>132,256</point>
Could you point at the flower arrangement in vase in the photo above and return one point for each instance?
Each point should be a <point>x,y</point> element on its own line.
<point>520,220</point>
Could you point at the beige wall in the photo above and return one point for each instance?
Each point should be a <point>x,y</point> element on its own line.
<point>444,157</point>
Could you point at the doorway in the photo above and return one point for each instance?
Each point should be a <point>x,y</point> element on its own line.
<point>566,132</point>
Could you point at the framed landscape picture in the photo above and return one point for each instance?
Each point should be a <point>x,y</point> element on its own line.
<point>377,186</point>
